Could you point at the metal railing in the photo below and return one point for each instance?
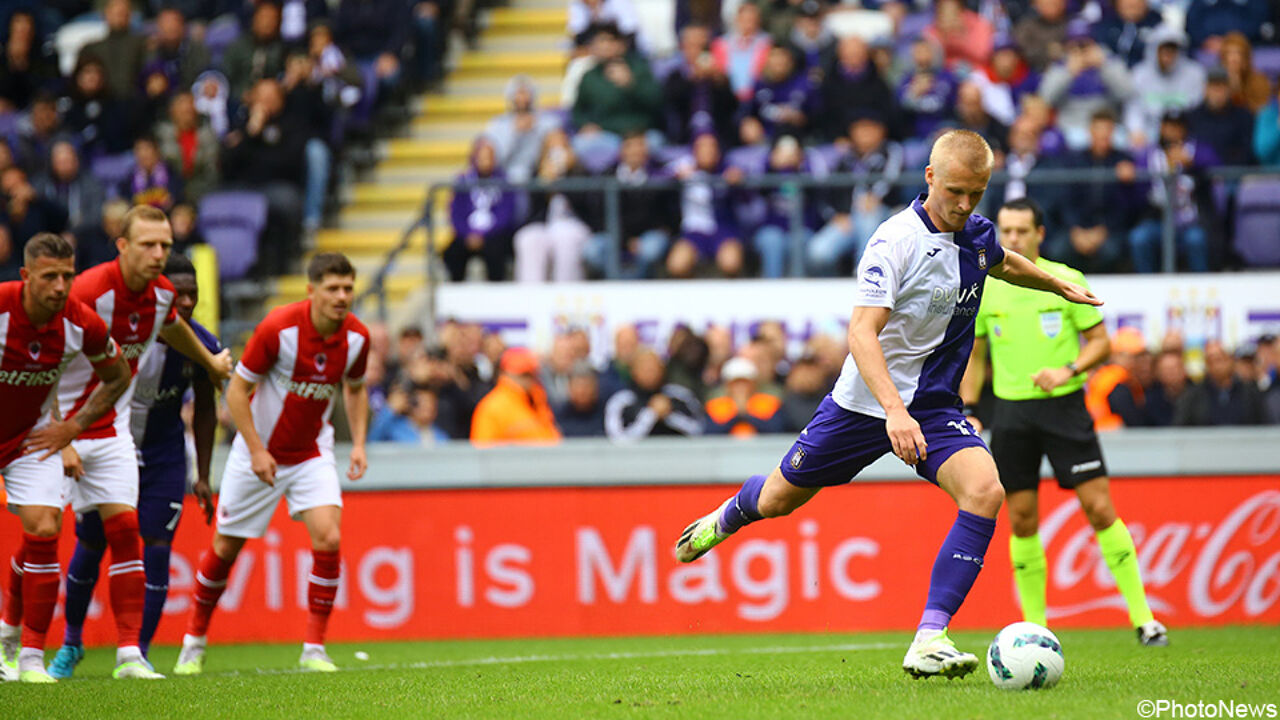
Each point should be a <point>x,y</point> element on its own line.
<point>612,190</point>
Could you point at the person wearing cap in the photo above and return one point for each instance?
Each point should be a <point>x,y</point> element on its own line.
<point>516,410</point>
<point>812,42</point>
<point>1086,80</point>
<point>1193,204</point>
<point>616,96</point>
<point>1223,398</point>
<point>742,411</point>
<point>1221,124</point>
<point>1165,80</point>
<point>1039,369</point>
<point>1127,346</point>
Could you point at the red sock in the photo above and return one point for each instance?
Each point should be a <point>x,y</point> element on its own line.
<point>13,591</point>
<point>322,587</point>
<point>211,580</point>
<point>128,577</point>
<point>40,573</point>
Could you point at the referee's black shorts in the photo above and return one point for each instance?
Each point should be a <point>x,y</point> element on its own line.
<point>1024,431</point>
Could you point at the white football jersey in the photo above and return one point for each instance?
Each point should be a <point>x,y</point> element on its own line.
<point>932,282</point>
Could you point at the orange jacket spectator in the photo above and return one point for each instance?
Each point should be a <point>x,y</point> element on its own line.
<point>1126,344</point>
<point>516,410</point>
<point>742,411</point>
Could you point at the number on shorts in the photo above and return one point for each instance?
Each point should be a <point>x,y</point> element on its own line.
<point>962,427</point>
<point>177,513</point>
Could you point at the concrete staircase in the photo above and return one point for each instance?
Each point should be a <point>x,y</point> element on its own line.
<point>526,37</point>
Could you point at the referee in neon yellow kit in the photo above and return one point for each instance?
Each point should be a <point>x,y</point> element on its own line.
<point>1039,374</point>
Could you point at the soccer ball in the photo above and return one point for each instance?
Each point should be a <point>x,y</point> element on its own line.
<point>1025,656</point>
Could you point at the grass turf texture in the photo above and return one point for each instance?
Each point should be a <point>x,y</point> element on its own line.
<point>761,676</point>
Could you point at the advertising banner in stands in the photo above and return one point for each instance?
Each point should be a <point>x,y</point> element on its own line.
<point>598,561</point>
<point>1233,308</point>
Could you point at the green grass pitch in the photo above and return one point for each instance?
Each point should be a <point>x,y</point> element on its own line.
<point>759,676</point>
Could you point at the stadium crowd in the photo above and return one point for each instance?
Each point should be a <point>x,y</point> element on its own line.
<point>1107,85</point>
<point>107,105</point>
<point>471,386</point>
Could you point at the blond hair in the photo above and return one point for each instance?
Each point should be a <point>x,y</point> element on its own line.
<point>965,147</point>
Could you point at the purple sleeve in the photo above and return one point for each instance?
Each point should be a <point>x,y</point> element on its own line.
<point>504,213</point>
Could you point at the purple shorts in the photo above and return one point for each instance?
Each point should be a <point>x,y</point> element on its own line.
<point>837,444</point>
<point>161,489</point>
<point>708,243</point>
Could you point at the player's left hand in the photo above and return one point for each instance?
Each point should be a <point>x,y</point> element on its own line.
<point>51,438</point>
<point>222,367</point>
<point>1078,294</point>
<point>359,463</point>
<point>204,498</point>
<point>1050,378</point>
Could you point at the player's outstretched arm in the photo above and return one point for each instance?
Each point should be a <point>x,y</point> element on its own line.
<point>356,401</point>
<point>204,424</point>
<point>181,338</point>
<point>1016,269</point>
<point>260,460</point>
<point>864,344</point>
<point>55,436</point>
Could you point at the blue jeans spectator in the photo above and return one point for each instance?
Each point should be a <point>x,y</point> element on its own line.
<point>650,250</point>
<point>836,241</point>
<point>1145,246</point>
<point>319,159</point>
<point>773,244</point>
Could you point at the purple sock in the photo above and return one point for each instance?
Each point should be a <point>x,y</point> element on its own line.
<point>959,561</point>
<point>743,511</point>
<point>155,560</point>
<point>82,575</point>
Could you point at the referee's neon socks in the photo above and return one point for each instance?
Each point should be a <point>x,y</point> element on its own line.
<point>1122,557</point>
<point>1030,574</point>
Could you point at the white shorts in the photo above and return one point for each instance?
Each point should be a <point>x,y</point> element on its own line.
<point>31,481</point>
<point>110,473</point>
<point>246,504</point>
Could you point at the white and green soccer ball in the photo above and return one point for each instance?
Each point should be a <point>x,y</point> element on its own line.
<point>1025,656</point>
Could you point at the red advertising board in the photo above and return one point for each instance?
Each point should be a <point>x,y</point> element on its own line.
<point>598,561</point>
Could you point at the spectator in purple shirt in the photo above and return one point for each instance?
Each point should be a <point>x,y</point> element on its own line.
<point>707,226</point>
<point>852,85</point>
<point>927,93</point>
<point>483,217</point>
<point>781,102</point>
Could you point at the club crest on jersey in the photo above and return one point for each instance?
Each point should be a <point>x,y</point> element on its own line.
<point>134,320</point>
<point>321,361</point>
<point>34,349</point>
<point>797,458</point>
<point>982,259</point>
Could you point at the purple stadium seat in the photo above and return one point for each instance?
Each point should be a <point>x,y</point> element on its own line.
<point>752,159</point>
<point>913,25</point>
<point>668,154</point>
<point>9,126</point>
<point>1258,221</point>
<point>232,222</point>
<point>598,159</point>
<point>1266,60</point>
<point>823,159</point>
<point>111,170</point>
<point>219,35</point>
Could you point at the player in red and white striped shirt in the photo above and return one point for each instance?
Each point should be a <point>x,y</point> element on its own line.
<point>135,300</point>
<point>42,331</point>
<point>281,398</point>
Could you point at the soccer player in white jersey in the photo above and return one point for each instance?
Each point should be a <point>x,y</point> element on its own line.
<point>41,331</point>
<point>918,288</point>
<point>136,302</point>
<point>280,399</point>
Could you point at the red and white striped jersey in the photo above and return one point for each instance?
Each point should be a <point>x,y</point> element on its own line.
<point>298,374</point>
<point>33,358</point>
<point>134,319</point>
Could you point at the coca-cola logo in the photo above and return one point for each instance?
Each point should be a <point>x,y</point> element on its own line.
<point>1234,563</point>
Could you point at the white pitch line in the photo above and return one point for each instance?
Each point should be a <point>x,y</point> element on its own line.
<point>521,659</point>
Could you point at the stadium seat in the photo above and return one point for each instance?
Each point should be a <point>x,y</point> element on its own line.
<point>751,159</point>
<point>232,222</point>
<point>598,159</point>
<point>111,170</point>
<point>219,35</point>
<point>1257,237</point>
<point>1266,60</point>
<point>669,154</point>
